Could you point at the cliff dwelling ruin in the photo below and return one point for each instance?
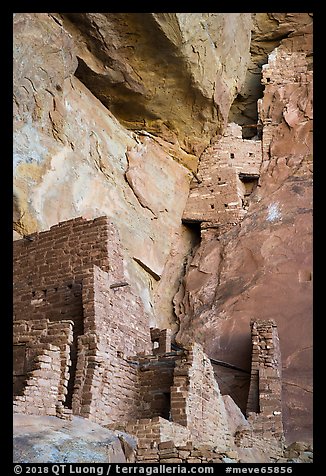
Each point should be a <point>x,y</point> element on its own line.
<point>162,249</point>
<point>77,353</point>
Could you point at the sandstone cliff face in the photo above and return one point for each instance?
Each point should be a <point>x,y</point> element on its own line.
<point>111,115</point>
<point>73,157</point>
<point>262,267</point>
<point>268,30</point>
<point>173,74</point>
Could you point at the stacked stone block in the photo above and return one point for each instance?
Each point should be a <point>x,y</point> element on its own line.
<point>107,384</point>
<point>227,174</point>
<point>195,411</point>
<point>264,409</point>
<point>34,336</point>
<point>150,432</point>
<point>156,375</point>
<point>41,392</point>
<point>73,271</point>
<point>171,452</point>
<point>49,268</point>
<point>161,339</point>
<point>196,401</point>
<point>286,67</point>
<point>116,369</point>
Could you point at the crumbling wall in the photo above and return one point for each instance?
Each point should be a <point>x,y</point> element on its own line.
<point>41,392</point>
<point>156,379</point>
<point>150,432</point>
<point>196,401</point>
<point>49,269</point>
<point>179,401</point>
<point>170,451</point>
<point>264,408</point>
<point>76,270</point>
<point>161,340</point>
<point>39,384</point>
<point>228,173</point>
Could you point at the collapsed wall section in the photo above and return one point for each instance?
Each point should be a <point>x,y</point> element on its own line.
<point>179,401</point>
<point>41,395</point>
<point>156,379</point>
<point>170,451</point>
<point>196,400</point>
<point>41,351</point>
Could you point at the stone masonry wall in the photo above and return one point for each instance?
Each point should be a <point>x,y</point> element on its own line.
<point>171,452</point>
<point>179,401</point>
<point>150,433</point>
<point>227,174</point>
<point>156,379</point>
<point>41,392</point>
<point>264,408</point>
<point>35,361</point>
<point>75,271</point>
<point>107,386</point>
<point>196,401</point>
<point>49,268</point>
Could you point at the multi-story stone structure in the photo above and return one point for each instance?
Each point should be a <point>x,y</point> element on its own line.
<point>83,346</point>
<point>228,173</point>
<point>69,292</point>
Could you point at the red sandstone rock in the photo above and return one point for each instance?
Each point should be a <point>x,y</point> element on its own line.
<point>262,268</point>
<point>66,141</point>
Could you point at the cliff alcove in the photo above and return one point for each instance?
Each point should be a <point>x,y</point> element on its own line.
<point>163,230</point>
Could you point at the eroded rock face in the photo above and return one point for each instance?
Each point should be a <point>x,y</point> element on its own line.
<point>268,30</point>
<point>112,112</point>
<point>262,268</point>
<point>72,157</point>
<point>172,74</point>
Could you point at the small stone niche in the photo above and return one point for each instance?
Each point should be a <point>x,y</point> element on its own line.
<point>249,182</point>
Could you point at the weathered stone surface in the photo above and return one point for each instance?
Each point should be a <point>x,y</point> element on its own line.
<point>172,74</point>
<point>235,417</point>
<point>111,114</point>
<point>71,157</point>
<point>262,268</point>
<point>252,455</point>
<point>268,30</point>
<point>40,439</point>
